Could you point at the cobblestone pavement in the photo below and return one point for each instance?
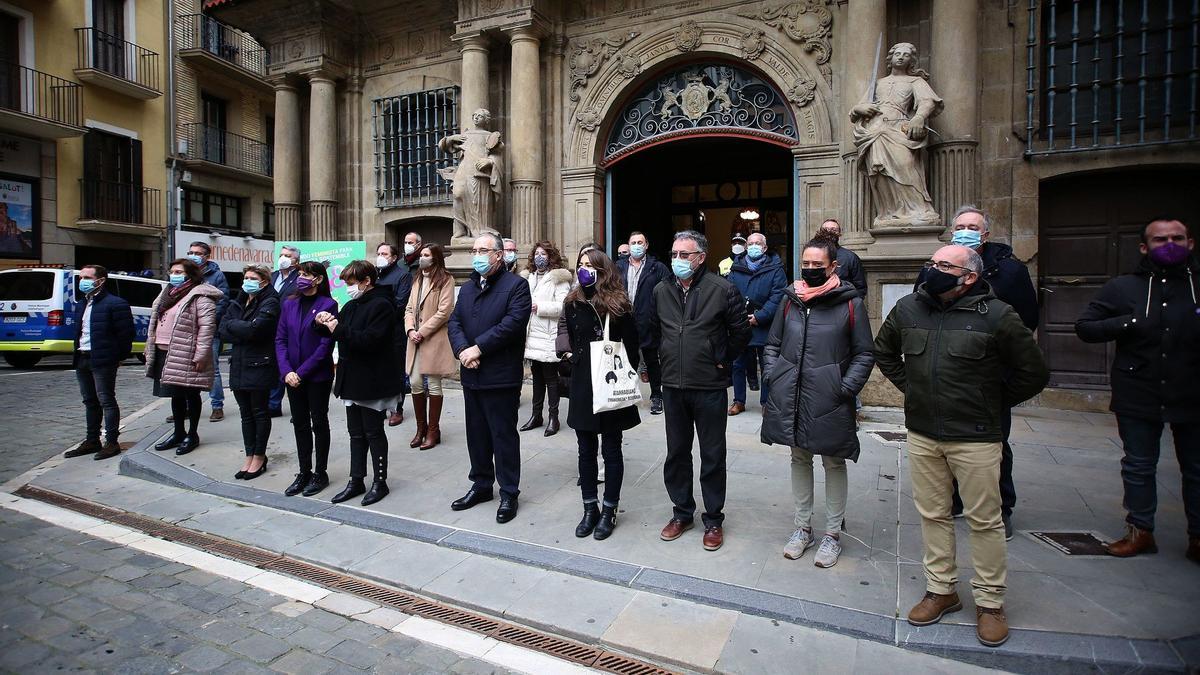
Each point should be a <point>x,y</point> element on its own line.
<point>73,603</point>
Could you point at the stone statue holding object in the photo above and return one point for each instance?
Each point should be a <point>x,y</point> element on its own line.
<point>477,179</point>
<point>890,133</point>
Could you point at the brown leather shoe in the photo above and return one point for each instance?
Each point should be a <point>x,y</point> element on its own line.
<point>737,408</point>
<point>675,529</point>
<point>396,418</point>
<point>84,448</point>
<point>217,415</point>
<point>1136,541</point>
<point>932,608</point>
<point>991,626</point>
<point>713,538</point>
<point>110,449</point>
<point>1193,549</point>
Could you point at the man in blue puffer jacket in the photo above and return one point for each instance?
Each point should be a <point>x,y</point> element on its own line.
<point>760,277</point>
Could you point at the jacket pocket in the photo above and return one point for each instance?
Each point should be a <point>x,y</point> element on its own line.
<point>913,342</point>
<point>1128,363</point>
<point>967,345</point>
<point>258,362</point>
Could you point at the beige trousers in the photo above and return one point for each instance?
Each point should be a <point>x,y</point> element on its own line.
<point>836,488</point>
<point>976,466</point>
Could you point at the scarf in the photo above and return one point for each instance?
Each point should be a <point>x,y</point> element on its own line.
<point>174,295</point>
<point>807,293</point>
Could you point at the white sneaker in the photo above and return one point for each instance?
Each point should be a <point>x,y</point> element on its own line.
<point>828,552</point>
<point>798,543</point>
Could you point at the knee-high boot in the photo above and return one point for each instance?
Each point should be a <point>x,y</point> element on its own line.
<point>422,425</point>
<point>433,435</point>
<point>379,488</point>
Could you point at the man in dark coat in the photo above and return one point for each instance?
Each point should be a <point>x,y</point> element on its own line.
<point>760,278</point>
<point>699,321</point>
<point>412,251</point>
<point>396,276</point>
<point>487,333</point>
<point>641,272</point>
<point>1153,316</point>
<point>283,280</point>
<point>198,252</point>
<point>1010,282</point>
<point>850,267</point>
<point>960,356</point>
<point>103,339</point>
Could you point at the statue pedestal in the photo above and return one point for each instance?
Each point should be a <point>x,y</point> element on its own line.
<point>905,242</point>
<point>458,258</point>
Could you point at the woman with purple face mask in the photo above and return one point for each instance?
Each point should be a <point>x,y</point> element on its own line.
<point>304,351</point>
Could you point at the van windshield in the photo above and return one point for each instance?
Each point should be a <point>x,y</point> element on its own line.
<point>26,285</point>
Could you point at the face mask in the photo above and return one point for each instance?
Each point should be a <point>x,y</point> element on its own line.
<point>622,256</point>
<point>510,257</point>
<point>586,277</point>
<point>383,261</point>
<point>682,268</point>
<point>195,258</point>
<point>409,249</point>
<point>284,262</point>
<point>251,286</point>
<point>738,249</point>
<point>481,264</point>
<point>972,239</point>
<point>541,262</point>
<point>938,282</point>
<point>1169,254</point>
<point>814,277</point>
<point>87,285</point>
<point>755,251</point>
<point>303,284</point>
<point>354,292</point>
<point>424,263</point>
<point>177,279</point>
<point>637,250</point>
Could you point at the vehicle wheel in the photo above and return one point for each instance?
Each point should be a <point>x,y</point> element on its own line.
<point>22,359</point>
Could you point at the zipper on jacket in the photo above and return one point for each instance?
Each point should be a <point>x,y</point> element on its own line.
<point>937,348</point>
<point>682,320</point>
<point>800,375</point>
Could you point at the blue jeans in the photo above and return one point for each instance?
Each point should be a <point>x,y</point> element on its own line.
<point>216,397</point>
<point>1141,439</point>
<point>751,358</point>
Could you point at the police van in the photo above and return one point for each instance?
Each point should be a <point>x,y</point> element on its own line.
<point>38,304</point>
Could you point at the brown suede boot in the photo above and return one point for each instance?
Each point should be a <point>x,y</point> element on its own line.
<point>932,608</point>
<point>433,435</point>
<point>1193,549</point>
<point>991,626</point>
<point>419,412</point>
<point>1135,542</point>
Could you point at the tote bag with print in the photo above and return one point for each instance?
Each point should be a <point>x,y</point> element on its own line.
<point>614,380</point>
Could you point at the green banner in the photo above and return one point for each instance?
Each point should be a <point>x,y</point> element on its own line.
<point>333,254</point>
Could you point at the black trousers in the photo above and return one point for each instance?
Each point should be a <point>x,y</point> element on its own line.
<point>653,371</point>
<point>366,432</point>
<point>310,420</point>
<point>1008,491</point>
<point>692,413</point>
<point>492,438</point>
<point>609,445</point>
<point>545,377</point>
<point>98,387</point>
<point>254,407</point>
<point>185,405</point>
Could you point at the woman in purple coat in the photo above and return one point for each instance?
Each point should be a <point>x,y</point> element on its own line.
<point>305,355</point>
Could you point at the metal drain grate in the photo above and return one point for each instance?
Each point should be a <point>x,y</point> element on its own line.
<point>568,650</point>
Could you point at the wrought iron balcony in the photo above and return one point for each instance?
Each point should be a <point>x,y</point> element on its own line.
<point>203,39</point>
<point>108,61</point>
<point>109,204</point>
<point>210,144</point>
<point>39,104</point>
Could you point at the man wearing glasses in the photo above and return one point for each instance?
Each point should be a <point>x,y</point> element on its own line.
<point>699,322</point>
<point>960,356</point>
<point>487,332</point>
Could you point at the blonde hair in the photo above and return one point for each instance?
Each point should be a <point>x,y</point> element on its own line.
<point>261,270</point>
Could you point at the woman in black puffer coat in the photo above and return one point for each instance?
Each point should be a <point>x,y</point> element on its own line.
<point>818,357</point>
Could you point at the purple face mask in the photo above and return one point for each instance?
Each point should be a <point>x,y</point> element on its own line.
<point>303,284</point>
<point>1170,254</point>
<point>586,277</point>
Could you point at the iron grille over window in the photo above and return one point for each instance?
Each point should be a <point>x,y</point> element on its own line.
<point>407,130</point>
<point>1109,73</point>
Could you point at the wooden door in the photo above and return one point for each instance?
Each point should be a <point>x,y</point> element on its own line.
<point>108,41</point>
<point>113,177</point>
<point>1090,227</point>
<point>214,114</point>
<point>10,61</point>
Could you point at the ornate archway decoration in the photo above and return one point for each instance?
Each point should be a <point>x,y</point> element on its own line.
<point>718,99</point>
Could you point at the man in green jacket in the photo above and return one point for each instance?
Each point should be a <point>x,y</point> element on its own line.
<point>960,356</point>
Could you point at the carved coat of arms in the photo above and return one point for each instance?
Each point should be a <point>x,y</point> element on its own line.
<point>696,98</point>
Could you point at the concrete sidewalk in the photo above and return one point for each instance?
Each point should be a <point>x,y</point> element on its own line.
<point>1070,612</point>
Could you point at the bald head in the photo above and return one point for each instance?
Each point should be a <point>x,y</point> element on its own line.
<point>957,261</point>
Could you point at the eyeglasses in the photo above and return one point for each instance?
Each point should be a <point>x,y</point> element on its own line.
<point>685,255</point>
<point>483,251</point>
<point>945,266</point>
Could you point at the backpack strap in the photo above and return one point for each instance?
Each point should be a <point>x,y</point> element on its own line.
<point>850,306</point>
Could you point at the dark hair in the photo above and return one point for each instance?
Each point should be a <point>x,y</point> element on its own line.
<point>823,236</point>
<point>317,271</point>
<point>1166,217</point>
<point>610,297</point>
<point>438,274</point>
<point>590,244</point>
<point>190,269</point>
<point>203,245</point>
<point>822,244</point>
<point>636,233</point>
<point>553,257</point>
<point>100,270</point>
<point>391,248</point>
<point>360,270</point>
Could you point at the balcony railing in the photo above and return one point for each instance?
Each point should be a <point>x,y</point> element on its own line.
<point>40,95</point>
<point>229,149</point>
<point>119,202</point>
<point>110,54</point>
<point>197,31</point>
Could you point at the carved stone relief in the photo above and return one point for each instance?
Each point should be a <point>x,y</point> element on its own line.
<point>587,119</point>
<point>587,56</point>
<point>802,91</point>
<point>808,22</point>
<point>687,38</point>
<point>753,44</point>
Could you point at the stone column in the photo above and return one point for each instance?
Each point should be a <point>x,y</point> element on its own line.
<point>954,67</point>
<point>286,160</point>
<point>322,157</point>
<point>474,93</point>
<point>866,20</point>
<point>526,143</point>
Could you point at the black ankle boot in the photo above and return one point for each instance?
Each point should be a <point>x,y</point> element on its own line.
<point>534,422</point>
<point>353,489</point>
<point>169,442</point>
<point>298,484</point>
<point>319,481</point>
<point>552,425</point>
<point>379,490</point>
<point>591,514</point>
<point>608,521</point>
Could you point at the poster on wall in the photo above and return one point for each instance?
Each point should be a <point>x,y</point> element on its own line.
<point>18,222</point>
<point>335,255</point>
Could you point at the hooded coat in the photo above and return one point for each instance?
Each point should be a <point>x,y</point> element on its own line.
<point>817,358</point>
<point>547,291</point>
<point>191,338</point>
<point>763,290</point>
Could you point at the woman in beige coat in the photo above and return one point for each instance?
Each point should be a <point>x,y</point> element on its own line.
<point>179,349</point>
<point>429,357</point>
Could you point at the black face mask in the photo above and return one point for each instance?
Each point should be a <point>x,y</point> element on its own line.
<point>938,282</point>
<point>622,256</point>
<point>814,276</point>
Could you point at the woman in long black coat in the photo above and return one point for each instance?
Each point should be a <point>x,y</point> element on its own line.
<point>600,294</point>
<point>249,325</point>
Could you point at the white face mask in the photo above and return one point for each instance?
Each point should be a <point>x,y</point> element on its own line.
<point>738,249</point>
<point>382,261</point>
<point>353,292</point>
<point>409,249</point>
<point>284,262</point>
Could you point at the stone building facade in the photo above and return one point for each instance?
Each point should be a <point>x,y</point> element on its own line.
<point>1069,122</point>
